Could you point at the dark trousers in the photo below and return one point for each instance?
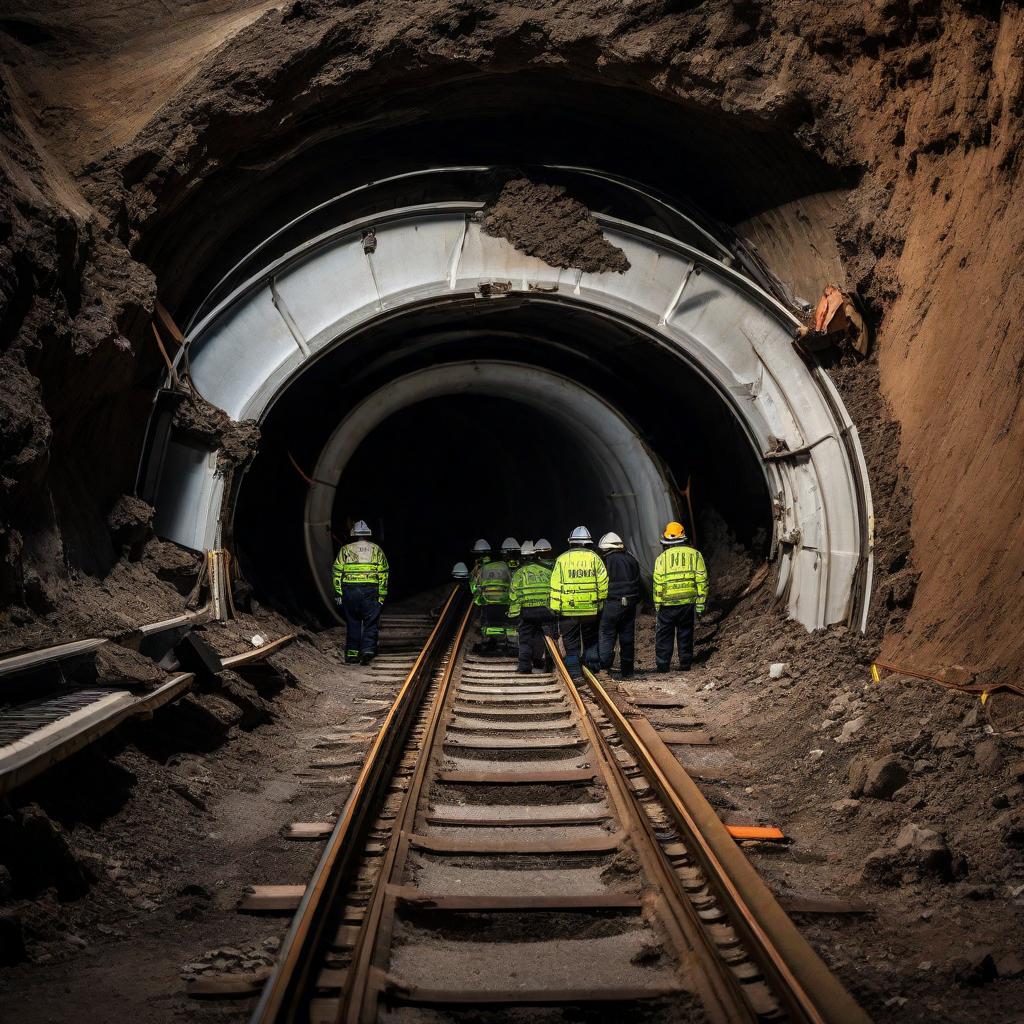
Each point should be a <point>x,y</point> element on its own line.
<point>361,604</point>
<point>493,623</point>
<point>674,625</point>
<point>579,638</point>
<point>534,625</point>
<point>618,622</point>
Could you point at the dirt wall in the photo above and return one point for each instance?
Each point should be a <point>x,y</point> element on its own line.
<point>908,115</point>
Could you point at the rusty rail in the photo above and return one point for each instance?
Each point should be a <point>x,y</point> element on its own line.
<point>809,991</point>
<point>287,988</point>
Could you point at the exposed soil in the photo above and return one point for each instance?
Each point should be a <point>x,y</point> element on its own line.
<point>542,221</point>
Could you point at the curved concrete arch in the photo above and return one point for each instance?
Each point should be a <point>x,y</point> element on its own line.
<point>273,328</point>
<point>638,496</point>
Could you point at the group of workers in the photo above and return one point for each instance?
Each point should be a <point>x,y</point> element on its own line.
<point>589,598</point>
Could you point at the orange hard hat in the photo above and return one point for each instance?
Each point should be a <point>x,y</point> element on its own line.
<point>674,533</point>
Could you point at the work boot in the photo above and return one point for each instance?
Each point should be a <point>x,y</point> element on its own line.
<point>626,671</point>
<point>685,666</point>
<point>351,657</point>
<point>664,668</point>
<point>367,658</point>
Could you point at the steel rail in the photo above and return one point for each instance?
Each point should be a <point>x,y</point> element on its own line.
<point>810,992</point>
<point>721,994</point>
<point>359,999</point>
<point>286,988</point>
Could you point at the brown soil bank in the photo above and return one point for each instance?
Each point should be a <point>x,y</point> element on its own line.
<point>880,145</point>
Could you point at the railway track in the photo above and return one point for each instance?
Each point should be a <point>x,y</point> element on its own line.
<point>515,846</point>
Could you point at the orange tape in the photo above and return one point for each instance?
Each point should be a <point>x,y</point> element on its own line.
<point>755,832</point>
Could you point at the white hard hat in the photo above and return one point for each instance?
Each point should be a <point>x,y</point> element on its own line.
<point>581,535</point>
<point>610,542</point>
<point>361,529</point>
<point>460,572</point>
<point>481,547</point>
<point>510,544</point>
<point>541,547</point>
<point>527,549</point>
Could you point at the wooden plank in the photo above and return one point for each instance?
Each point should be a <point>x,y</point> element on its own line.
<point>271,899</point>
<point>510,691</point>
<point>526,698</point>
<point>821,905</point>
<point>568,777</point>
<point>309,830</point>
<point>227,986</point>
<point>456,845</point>
<point>461,821</point>
<point>691,739</point>
<point>58,652</point>
<point>257,653</point>
<point>415,899</point>
<point>396,991</point>
<point>512,743</point>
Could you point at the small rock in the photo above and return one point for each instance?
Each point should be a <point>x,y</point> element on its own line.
<point>976,968</point>
<point>827,724</point>
<point>1009,965</point>
<point>75,940</point>
<point>926,850</point>
<point>882,866</point>
<point>839,704</point>
<point>258,640</point>
<point>920,767</point>
<point>947,741</point>
<point>881,778</point>
<point>778,669</point>
<point>850,729</point>
<point>1017,770</point>
<point>272,942</point>
<point>924,965</point>
<point>987,756</point>
<point>1012,830</point>
<point>815,755</point>
<point>144,903</point>
<point>971,718</point>
<point>846,806</point>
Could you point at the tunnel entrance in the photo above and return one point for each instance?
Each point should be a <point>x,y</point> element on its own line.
<point>436,476</point>
<point>679,368</point>
<point>455,422</point>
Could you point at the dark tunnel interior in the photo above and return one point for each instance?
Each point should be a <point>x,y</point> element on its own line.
<point>438,474</point>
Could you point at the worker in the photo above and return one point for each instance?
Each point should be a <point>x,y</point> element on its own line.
<point>618,617</point>
<point>542,549</point>
<point>528,604</point>
<point>481,555</point>
<point>490,593</point>
<point>680,593</point>
<point>510,555</point>
<point>360,586</point>
<point>579,586</point>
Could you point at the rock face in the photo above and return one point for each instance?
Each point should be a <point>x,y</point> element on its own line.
<point>752,110</point>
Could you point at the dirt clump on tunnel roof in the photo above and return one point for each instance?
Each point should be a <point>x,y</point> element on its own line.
<point>543,221</point>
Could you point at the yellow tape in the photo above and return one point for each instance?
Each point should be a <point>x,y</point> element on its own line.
<point>874,673</point>
<point>984,696</point>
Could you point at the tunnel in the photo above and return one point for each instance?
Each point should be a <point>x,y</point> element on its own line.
<point>671,389</point>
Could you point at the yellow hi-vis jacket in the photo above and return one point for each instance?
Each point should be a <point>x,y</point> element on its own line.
<point>680,577</point>
<point>579,583</point>
<point>531,588</point>
<point>361,561</point>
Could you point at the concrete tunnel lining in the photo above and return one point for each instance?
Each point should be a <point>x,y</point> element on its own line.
<point>638,496</point>
<point>272,330</point>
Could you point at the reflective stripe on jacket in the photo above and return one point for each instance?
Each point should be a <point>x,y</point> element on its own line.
<point>531,587</point>
<point>361,561</point>
<point>579,583</point>
<point>680,578</point>
<point>491,584</point>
